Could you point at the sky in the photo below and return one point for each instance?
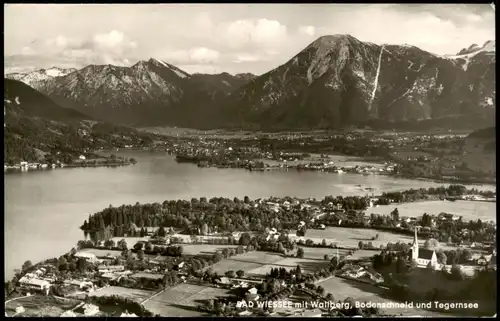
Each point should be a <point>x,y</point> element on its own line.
<point>215,38</point>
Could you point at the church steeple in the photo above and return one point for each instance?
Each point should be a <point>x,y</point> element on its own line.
<point>414,252</point>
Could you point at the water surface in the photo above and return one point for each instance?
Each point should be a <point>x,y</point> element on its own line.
<point>44,209</point>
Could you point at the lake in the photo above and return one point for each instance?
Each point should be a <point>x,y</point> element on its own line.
<point>44,209</point>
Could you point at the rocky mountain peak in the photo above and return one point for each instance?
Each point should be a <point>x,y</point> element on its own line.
<point>329,41</point>
<point>488,46</point>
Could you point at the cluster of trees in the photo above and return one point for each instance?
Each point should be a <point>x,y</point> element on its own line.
<point>61,141</point>
<point>282,274</point>
<point>412,195</point>
<point>480,288</point>
<point>170,278</point>
<point>148,248</point>
<point>400,261</point>
<point>139,283</point>
<point>366,246</point>
<point>443,230</point>
<point>232,274</point>
<point>357,203</point>
<point>458,256</point>
<point>222,214</point>
<point>124,304</point>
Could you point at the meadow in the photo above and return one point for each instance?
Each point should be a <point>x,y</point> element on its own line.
<point>470,210</point>
<point>133,294</point>
<point>182,300</point>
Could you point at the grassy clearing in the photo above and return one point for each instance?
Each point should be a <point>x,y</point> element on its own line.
<point>40,306</point>
<point>485,211</point>
<point>145,275</point>
<point>362,254</point>
<point>204,249</point>
<point>133,294</point>
<point>182,300</point>
<point>246,262</point>
<point>307,265</point>
<point>350,237</point>
<point>103,252</point>
<point>318,253</point>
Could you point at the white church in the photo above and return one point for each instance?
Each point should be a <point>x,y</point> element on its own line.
<point>422,256</point>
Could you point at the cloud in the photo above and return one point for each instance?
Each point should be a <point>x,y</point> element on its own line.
<point>307,30</point>
<point>249,38</point>
<point>246,58</point>
<point>27,51</point>
<point>433,29</point>
<point>102,48</point>
<point>195,56</point>
<point>261,33</point>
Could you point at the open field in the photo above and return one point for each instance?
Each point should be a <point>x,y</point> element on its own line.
<point>362,254</point>
<point>307,265</point>
<point>350,237</point>
<point>204,249</point>
<point>40,306</point>
<point>102,252</point>
<point>361,292</point>
<point>318,253</point>
<point>486,211</point>
<point>246,262</point>
<point>145,275</point>
<point>182,300</point>
<point>133,294</point>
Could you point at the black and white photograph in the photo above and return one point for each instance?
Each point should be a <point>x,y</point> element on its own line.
<point>249,160</point>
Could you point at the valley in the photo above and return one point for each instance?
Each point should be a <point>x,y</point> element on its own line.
<point>324,160</point>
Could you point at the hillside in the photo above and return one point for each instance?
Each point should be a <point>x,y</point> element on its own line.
<point>148,93</point>
<point>37,78</point>
<point>338,81</point>
<point>486,133</point>
<point>38,129</point>
<point>25,100</point>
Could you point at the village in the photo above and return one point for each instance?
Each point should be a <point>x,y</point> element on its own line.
<point>81,161</point>
<point>169,271</point>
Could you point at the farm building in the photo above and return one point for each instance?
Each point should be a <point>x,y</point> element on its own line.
<point>252,295</point>
<point>87,256</point>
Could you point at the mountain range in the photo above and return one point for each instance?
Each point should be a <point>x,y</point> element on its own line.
<point>38,129</point>
<point>337,81</point>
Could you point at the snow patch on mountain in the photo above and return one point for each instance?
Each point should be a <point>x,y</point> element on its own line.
<point>375,84</point>
<point>35,77</point>
<point>488,47</point>
<point>177,71</point>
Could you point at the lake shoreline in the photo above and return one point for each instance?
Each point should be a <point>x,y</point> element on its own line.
<point>67,197</point>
